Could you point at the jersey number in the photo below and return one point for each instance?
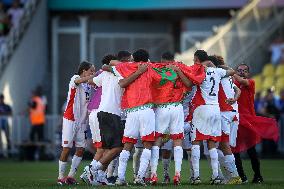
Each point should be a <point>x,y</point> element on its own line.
<point>212,88</point>
<point>231,82</point>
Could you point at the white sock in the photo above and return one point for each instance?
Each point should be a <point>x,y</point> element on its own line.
<point>190,164</point>
<point>230,165</point>
<point>110,169</point>
<point>136,160</point>
<point>96,166</point>
<point>115,167</point>
<point>154,159</point>
<point>123,159</point>
<point>148,172</point>
<point>62,168</point>
<point>221,164</point>
<point>166,165</point>
<point>214,162</point>
<point>144,162</point>
<point>75,163</point>
<point>178,155</point>
<point>101,175</point>
<point>195,157</point>
<point>93,162</point>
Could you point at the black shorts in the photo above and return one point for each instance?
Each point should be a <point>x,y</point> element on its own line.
<point>111,130</point>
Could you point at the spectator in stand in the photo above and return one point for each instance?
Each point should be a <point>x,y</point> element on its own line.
<point>4,20</point>
<point>16,12</point>
<point>280,103</point>
<point>270,110</point>
<point>270,105</point>
<point>5,110</point>
<point>259,104</point>
<point>276,49</point>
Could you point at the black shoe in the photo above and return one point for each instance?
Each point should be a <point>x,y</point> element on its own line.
<point>244,179</point>
<point>257,180</point>
<point>112,179</point>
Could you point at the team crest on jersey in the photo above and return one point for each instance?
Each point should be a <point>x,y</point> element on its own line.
<point>167,74</point>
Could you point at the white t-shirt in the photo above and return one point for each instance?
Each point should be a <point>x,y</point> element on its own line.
<point>210,86</point>
<point>77,101</point>
<point>111,93</point>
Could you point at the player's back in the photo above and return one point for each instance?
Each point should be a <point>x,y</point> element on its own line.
<point>77,100</point>
<point>210,86</point>
<point>111,94</point>
<point>227,91</point>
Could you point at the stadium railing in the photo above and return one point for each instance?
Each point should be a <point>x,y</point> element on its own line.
<point>14,36</point>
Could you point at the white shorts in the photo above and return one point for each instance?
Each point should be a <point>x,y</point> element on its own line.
<point>234,131</point>
<point>170,118</point>
<point>73,134</point>
<point>95,129</point>
<point>140,123</point>
<point>206,123</point>
<point>227,119</point>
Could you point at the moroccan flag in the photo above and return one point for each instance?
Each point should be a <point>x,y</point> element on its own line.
<point>168,87</point>
<point>252,129</point>
<point>158,85</point>
<point>138,93</point>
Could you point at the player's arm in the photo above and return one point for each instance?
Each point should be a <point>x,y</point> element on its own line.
<point>229,71</point>
<point>236,96</point>
<point>80,80</point>
<point>187,82</point>
<point>242,81</point>
<point>128,80</point>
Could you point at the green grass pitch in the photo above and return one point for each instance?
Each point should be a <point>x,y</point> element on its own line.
<point>35,175</point>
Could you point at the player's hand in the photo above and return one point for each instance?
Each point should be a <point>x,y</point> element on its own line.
<point>173,67</point>
<point>142,68</point>
<point>230,101</point>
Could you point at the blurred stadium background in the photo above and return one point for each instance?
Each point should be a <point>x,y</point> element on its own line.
<point>45,44</point>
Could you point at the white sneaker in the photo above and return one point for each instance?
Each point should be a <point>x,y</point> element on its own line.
<point>103,181</point>
<point>139,181</point>
<point>120,182</point>
<point>84,176</point>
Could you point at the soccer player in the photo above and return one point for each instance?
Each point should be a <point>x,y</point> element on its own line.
<point>75,121</point>
<point>94,120</point>
<point>228,95</point>
<point>122,56</point>
<point>169,115</point>
<point>206,118</point>
<point>140,119</point>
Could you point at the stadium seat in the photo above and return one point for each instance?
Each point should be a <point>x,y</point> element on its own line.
<point>279,84</point>
<point>258,81</point>
<point>279,72</point>
<point>267,83</point>
<point>268,70</point>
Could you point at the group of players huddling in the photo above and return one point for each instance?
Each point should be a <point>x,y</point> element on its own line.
<point>148,105</point>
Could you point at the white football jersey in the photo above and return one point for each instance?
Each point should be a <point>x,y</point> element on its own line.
<point>210,86</point>
<point>228,87</point>
<point>77,101</point>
